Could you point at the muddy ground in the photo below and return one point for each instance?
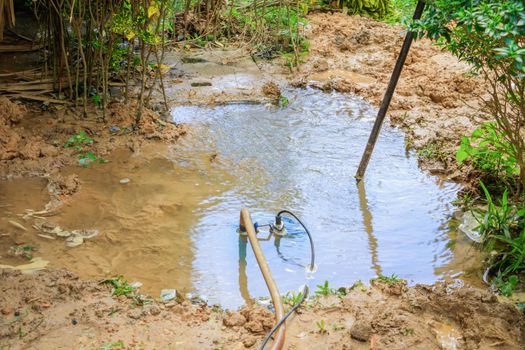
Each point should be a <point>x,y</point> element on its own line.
<point>56,310</point>
<point>436,102</point>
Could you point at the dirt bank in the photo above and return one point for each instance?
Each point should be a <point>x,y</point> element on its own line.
<point>436,101</point>
<point>32,141</point>
<point>55,310</point>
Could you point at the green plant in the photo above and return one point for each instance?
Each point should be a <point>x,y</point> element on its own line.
<point>390,280</point>
<point>78,141</point>
<point>336,327</point>
<point>408,331</point>
<point>292,298</point>
<point>489,35</point>
<point>489,151</point>
<point>321,326</point>
<point>377,9</point>
<point>283,101</point>
<point>323,289</point>
<point>118,345</point>
<point>432,151</point>
<point>465,200</point>
<point>402,11</point>
<point>24,251</point>
<point>502,230</point>
<point>97,100</point>
<point>86,158</point>
<point>506,285</point>
<point>120,286</point>
<point>359,285</point>
<point>141,300</point>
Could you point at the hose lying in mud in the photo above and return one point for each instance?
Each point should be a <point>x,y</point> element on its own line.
<point>247,225</point>
<point>283,319</point>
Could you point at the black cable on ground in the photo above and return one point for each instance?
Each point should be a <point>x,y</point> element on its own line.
<point>282,320</point>
<point>305,289</point>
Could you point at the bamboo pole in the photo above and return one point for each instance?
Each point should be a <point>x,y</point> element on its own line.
<point>247,224</point>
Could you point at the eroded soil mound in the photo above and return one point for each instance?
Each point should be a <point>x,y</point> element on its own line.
<point>436,101</point>
<point>32,141</point>
<point>54,309</point>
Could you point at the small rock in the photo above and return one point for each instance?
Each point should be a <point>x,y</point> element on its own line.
<point>254,327</point>
<point>249,341</point>
<point>85,234</point>
<point>114,129</point>
<point>74,241</point>
<point>48,226</point>
<point>234,319</point>
<point>361,331</point>
<point>61,233</point>
<point>49,151</point>
<point>124,181</point>
<point>168,294</point>
<point>136,284</point>
<point>154,310</point>
<point>135,314</point>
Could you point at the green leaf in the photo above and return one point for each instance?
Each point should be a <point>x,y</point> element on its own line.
<point>461,156</point>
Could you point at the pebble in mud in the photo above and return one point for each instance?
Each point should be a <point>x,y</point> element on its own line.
<point>124,181</point>
<point>74,241</point>
<point>234,320</point>
<point>361,331</point>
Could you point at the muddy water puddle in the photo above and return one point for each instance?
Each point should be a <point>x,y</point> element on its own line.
<point>174,224</point>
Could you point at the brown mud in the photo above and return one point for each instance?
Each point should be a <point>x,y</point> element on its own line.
<point>57,310</point>
<point>436,103</point>
<point>32,141</point>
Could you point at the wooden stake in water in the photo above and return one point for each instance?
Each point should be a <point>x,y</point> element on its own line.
<point>388,96</point>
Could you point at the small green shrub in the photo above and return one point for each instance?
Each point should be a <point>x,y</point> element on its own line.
<point>25,251</point>
<point>78,141</point>
<point>292,298</point>
<point>321,326</point>
<point>432,151</point>
<point>489,151</point>
<point>376,9</point>
<point>120,286</point>
<point>390,280</point>
<point>323,289</point>
<point>490,36</point>
<point>402,11</point>
<point>502,230</point>
<point>505,285</point>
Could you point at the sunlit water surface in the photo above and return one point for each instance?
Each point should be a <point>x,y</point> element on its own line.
<point>174,225</point>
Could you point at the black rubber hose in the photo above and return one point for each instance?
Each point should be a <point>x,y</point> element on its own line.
<point>282,320</point>
<point>312,260</point>
<point>305,289</point>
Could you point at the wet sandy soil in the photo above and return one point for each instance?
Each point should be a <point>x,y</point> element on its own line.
<point>56,310</point>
